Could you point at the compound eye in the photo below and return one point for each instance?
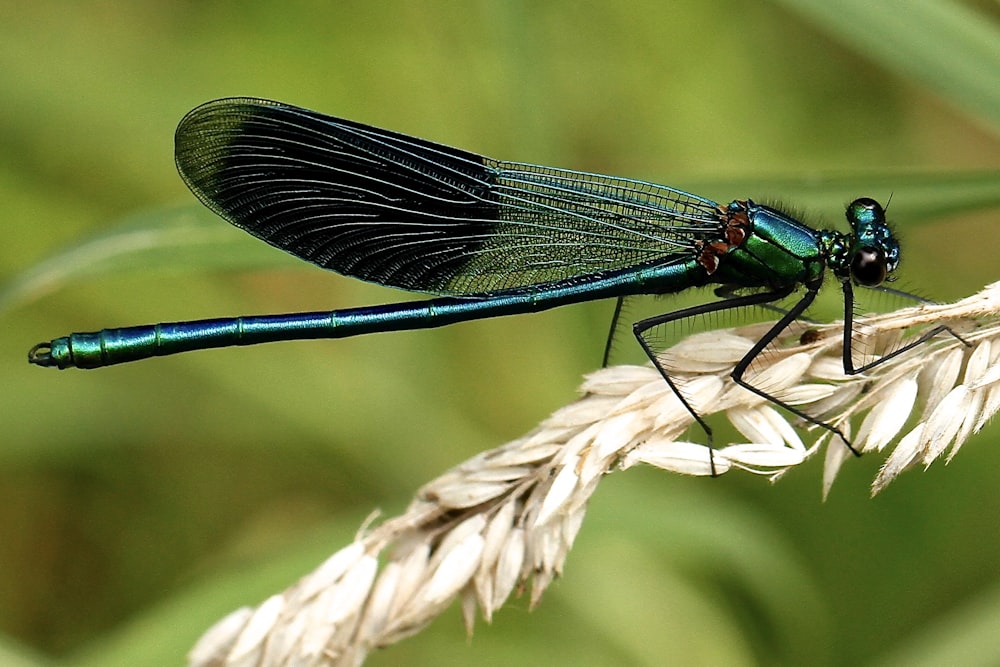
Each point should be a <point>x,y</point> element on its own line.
<point>869,267</point>
<point>867,202</point>
<point>865,211</point>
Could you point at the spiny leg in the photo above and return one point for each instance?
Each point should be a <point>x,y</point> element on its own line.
<point>640,328</point>
<point>848,346</point>
<point>740,369</point>
<point>615,317</point>
<point>766,299</point>
<point>729,292</point>
<point>848,357</point>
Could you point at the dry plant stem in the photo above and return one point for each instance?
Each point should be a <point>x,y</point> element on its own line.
<point>507,518</point>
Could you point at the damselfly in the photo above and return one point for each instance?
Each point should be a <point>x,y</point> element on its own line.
<point>488,237</point>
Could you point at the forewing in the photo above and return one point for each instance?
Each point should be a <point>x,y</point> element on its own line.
<point>404,212</point>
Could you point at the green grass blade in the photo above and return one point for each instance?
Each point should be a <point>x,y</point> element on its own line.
<point>944,46</point>
<point>180,238</point>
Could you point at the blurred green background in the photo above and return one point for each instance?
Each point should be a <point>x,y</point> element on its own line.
<point>138,504</point>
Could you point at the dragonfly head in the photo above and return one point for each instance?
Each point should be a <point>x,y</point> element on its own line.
<point>874,252</point>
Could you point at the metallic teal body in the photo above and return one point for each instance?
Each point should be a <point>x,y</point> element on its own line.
<point>778,252</point>
<point>487,237</point>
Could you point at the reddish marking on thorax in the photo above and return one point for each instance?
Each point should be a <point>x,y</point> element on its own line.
<point>736,231</point>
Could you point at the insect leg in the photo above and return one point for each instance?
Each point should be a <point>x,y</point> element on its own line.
<point>640,328</point>
<point>849,367</point>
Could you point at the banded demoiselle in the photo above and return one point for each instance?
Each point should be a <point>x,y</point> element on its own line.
<point>488,237</point>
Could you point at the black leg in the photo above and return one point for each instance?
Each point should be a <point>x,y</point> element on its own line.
<point>611,331</point>
<point>759,347</point>
<point>848,356</point>
<point>639,329</point>
<point>729,292</point>
<point>766,299</point>
<point>849,368</point>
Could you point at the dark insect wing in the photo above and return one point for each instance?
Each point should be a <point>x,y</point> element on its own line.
<point>409,213</point>
<point>334,193</point>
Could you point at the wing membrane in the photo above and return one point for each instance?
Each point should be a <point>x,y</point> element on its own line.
<point>409,213</point>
